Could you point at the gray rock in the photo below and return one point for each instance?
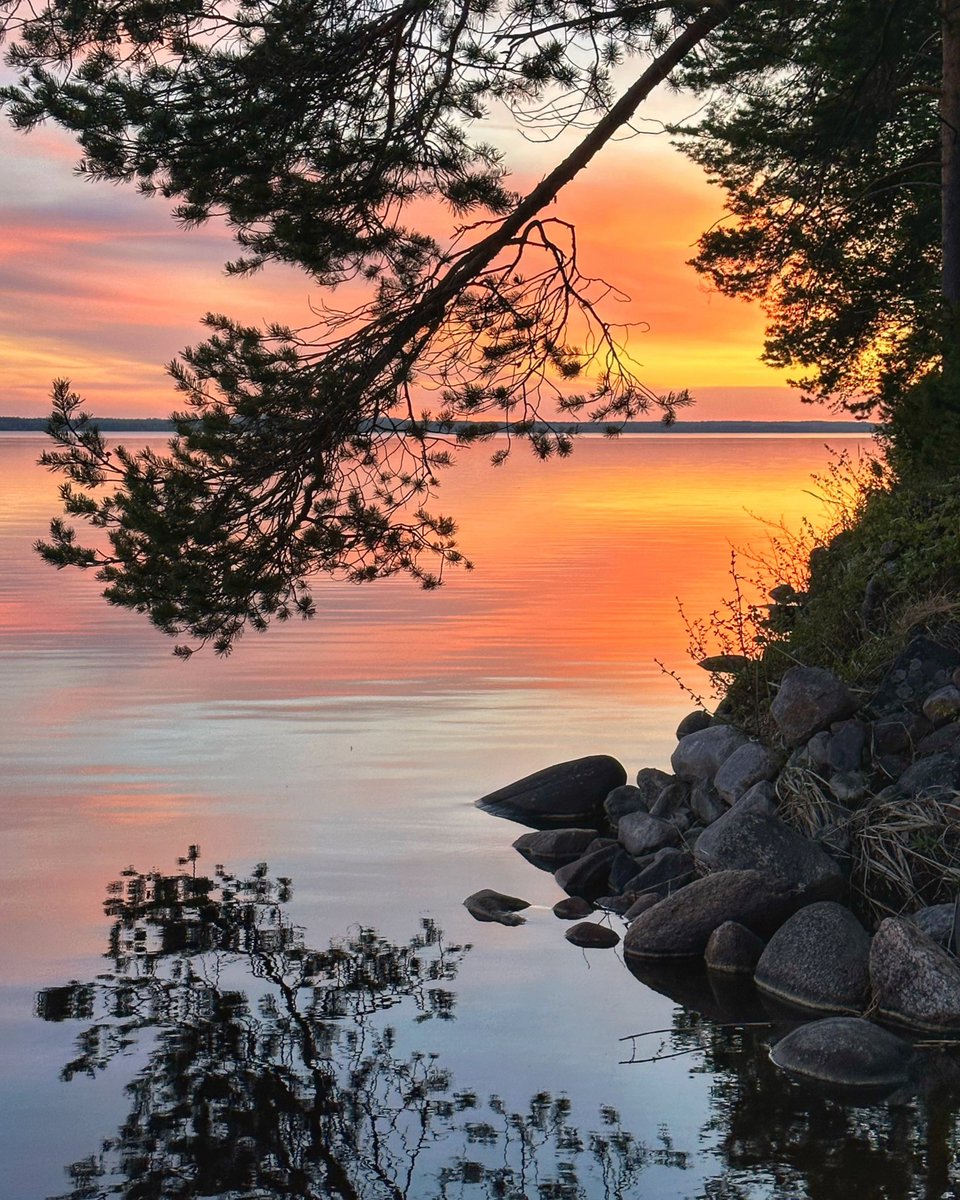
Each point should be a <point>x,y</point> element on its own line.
<point>641,904</point>
<point>693,723</point>
<point>898,732</point>
<point>569,793</point>
<point>923,666</point>
<point>733,949</point>
<point>673,800</point>
<point>849,787</point>
<point>809,699</point>
<point>650,783</point>
<point>818,959</point>
<point>592,936</point>
<point>749,764</point>
<point>753,841</point>
<point>936,773</point>
<point>572,908</point>
<point>624,867</point>
<point>589,876</point>
<point>488,905</point>
<point>945,740</point>
<point>680,925</point>
<point>936,921</point>
<point>669,866</point>
<point>641,834</point>
<point>916,983</point>
<point>846,1051</point>
<point>846,745</point>
<point>691,837</point>
<point>622,800</point>
<point>761,798</point>
<point>555,847</point>
<point>700,755</point>
<point>705,802</point>
<point>817,752</point>
<point>943,705</point>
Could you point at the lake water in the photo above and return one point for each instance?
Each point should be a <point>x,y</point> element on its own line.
<point>210,1042</point>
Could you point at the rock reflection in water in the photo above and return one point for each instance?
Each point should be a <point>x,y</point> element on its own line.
<point>300,1089</point>
<point>777,1136</point>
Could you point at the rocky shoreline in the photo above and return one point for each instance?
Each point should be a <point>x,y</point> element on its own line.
<point>819,868</point>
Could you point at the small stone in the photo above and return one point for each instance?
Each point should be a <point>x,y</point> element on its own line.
<point>937,922</point>
<point>936,773</point>
<point>733,949</point>
<point>640,834</point>
<point>640,905</point>
<point>846,1051</point>
<point>700,755</point>
<point>849,787</point>
<point>846,745</point>
<point>554,847</point>
<point>705,802</point>
<point>818,959</point>
<point>818,752</point>
<point>650,783</point>
<point>693,723</point>
<point>615,904</point>
<point>898,732</point>
<point>724,664</point>
<point>943,705</point>
<point>749,764</point>
<point>809,699</point>
<point>592,936</point>
<point>572,908</point>
<point>945,740</point>
<point>624,867</point>
<point>488,905</point>
<point>589,876</point>
<point>761,798</point>
<point>671,801</point>
<point>622,800</point>
<point>667,870</point>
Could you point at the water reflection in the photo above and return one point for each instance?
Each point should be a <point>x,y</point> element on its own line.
<point>776,1136</point>
<point>302,1088</point>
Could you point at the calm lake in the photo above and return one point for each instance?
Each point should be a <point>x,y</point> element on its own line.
<point>218,1046</point>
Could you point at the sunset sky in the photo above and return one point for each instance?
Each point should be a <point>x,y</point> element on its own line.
<point>99,285</point>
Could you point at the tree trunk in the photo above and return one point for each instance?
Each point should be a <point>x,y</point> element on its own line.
<point>950,178</point>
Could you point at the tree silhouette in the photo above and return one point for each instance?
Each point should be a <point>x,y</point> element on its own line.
<point>302,1090</point>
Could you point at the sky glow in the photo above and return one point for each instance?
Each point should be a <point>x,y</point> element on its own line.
<point>100,286</point>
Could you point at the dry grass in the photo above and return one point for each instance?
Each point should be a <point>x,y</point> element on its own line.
<point>903,853</point>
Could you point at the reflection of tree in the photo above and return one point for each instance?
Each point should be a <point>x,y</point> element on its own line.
<point>776,1136</point>
<point>304,1091</point>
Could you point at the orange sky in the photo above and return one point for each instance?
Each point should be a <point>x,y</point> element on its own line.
<point>100,286</point>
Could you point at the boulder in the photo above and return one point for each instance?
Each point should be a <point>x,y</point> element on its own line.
<point>847,1052</point>
<point>592,936</point>
<point>809,699</point>
<point>945,740</point>
<point>942,705</point>
<point>700,755</point>
<point>665,871</point>
<point>569,793</point>
<point>693,723</point>
<point>936,921</point>
<point>488,905</point>
<point>650,783</point>
<point>733,949</point>
<point>916,983</point>
<point>705,802</point>
<point>753,841</point>
<point>898,732</point>
<point>749,764</point>
<point>589,876</point>
<point>680,925</point>
<point>846,745</point>
<point>624,867</point>
<point>572,908</point>
<point>818,959</point>
<point>554,847</point>
<point>641,834</point>
<point>641,904</point>
<point>935,773</point>
<point>672,801</point>
<point>624,799</point>
<point>761,798</point>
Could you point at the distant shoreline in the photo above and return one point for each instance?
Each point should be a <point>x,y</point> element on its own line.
<point>159,425</point>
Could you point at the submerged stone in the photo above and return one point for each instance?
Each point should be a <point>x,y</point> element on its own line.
<point>591,936</point>
<point>846,1051</point>
<point>488,905</point>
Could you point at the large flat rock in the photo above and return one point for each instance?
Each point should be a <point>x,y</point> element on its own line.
<point>568,793</point>
<point>680,925</point>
